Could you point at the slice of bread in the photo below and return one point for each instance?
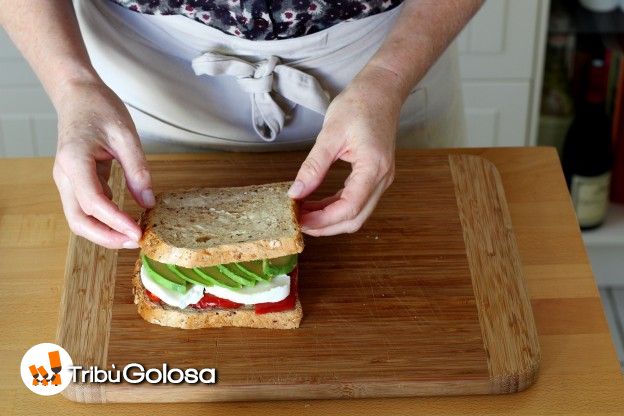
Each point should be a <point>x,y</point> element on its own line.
<point>203,227</point>
<point>190,318</point>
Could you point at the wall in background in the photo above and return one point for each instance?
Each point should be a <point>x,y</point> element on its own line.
<point>27,118</point>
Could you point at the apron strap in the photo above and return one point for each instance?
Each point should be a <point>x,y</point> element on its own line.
<point>257,79</point>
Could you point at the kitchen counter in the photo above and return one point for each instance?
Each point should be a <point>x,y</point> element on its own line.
<point>579,372</point>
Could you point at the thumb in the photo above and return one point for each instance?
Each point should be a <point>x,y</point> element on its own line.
<point>312,170</point>
<point>138,179</point>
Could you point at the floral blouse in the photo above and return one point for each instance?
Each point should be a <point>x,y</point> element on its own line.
<point>265,19</point>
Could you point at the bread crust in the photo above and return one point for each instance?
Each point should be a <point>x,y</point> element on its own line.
<point>154,247</point>
<point>190,318</point>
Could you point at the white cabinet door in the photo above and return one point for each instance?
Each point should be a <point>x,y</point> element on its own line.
<point>501,58</point>
<point>496,113</point>
<point>500,41</point>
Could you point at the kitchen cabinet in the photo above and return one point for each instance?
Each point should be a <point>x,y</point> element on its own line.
<point>501,60</point>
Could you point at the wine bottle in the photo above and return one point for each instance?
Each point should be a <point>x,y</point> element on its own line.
<point>587,153</point>
<point>557,107</point>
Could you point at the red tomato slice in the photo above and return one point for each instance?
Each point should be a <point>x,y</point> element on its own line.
<point>287,303</point>
<point>152,296</point>
<point>211,301</point>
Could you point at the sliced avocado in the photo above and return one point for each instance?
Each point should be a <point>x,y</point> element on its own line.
<point>239,278</point>
<point>212,274</point>
<point>164,276</point>
<point>255,267</point>
<point>279,265</point>
<point>190,275</point>
<point>253,270</point>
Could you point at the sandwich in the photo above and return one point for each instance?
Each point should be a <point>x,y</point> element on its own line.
<point>217,257</point>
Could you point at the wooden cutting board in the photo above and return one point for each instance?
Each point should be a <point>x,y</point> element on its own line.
<point>427,299</point>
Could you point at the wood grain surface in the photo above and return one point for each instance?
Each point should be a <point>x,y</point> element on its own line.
<point>579,374</point>
<point>497,278</point>
<point>428,299</point>
<point>87,300</point>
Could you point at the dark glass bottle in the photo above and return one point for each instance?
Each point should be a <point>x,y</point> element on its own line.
<point>557,106</point>
<point>587,153</point>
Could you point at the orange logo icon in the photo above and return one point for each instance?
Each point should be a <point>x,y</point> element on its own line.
<point>45,369</point>
<point>55,367</point>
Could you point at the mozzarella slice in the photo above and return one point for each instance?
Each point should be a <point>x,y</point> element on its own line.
<point>275,290</point>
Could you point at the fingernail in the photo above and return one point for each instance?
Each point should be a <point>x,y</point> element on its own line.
<point>148,197</point>
<point>130,244</point>
<point>295,189</point>
<point>132,234</point>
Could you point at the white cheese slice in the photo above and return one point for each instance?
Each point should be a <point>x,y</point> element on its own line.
<point>273,291</point>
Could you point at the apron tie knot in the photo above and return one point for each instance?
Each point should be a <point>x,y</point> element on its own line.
<point>260,85</point>
<point>259,81</point>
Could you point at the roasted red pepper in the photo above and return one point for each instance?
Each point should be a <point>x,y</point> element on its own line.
<point>152,296</point>
<point>287,303</point>
<point>211,301</point>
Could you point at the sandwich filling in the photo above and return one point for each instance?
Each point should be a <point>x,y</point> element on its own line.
<point>267,285</point>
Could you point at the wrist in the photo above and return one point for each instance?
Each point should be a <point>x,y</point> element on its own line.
<point>384,83</point>
<point>71,83</point>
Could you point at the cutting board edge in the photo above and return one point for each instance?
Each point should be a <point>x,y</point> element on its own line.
<point>120,393</point>
<point>87,297</point>
<point>508,327</point>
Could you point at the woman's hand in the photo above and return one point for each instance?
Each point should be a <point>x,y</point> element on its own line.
<point>360,128</point>
<point>94,128</point>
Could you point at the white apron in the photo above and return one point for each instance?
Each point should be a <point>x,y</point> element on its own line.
<point>189,86</point>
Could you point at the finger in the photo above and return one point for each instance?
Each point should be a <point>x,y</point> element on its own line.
<point>90,195</point>
<point>85,226</point>
<point>93,230</point>
<point>352,225</point>
<point>132,159</point>
<point>316,205</point>
<point>360,184</point>
<point>314,168</point>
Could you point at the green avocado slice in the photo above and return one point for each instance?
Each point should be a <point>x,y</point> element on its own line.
<point>212,274</point>
<point>190,275</point>
<point>162,275</point>
<point>253,270</point>
<point>279,265</point>
<point>236,277</point>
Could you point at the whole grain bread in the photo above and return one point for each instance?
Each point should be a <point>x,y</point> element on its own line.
<point>203,227</point>
<point>190,318</point>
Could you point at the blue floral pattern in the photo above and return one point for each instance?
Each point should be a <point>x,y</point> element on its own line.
<point>265,19</point>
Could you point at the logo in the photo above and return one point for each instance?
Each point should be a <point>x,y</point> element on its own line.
<point>46,369</point>
<point>135,373</point>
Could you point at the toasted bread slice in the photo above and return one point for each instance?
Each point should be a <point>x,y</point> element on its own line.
<point>189,318</point>
<point>203,227</point>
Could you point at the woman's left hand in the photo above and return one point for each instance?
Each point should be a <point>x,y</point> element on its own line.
<point>360,128</point>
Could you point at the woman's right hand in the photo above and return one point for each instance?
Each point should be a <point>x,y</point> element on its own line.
<point>94,127</point>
